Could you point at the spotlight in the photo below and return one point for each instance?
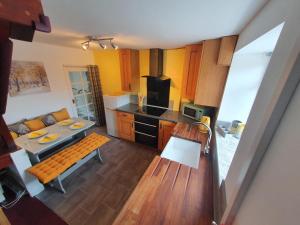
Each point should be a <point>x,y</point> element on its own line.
<point>101,41</point>
<point>102,45</point>
<point>85,45</point>
<point>113,45</point>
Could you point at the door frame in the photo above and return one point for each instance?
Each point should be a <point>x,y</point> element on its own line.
<point>67,69</point>
<point>285,88</point>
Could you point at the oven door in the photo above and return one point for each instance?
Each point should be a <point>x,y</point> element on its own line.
<point>146,130</point>
<point>146,139</point>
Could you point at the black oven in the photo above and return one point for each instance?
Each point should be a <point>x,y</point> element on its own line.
<point>146,130</point>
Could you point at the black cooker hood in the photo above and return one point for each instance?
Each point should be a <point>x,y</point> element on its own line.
<point>156,64</point>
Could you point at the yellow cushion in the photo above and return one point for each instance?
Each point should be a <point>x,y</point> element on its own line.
<point>52,167</point>
<point>13,134</point>
<point>35,124</point>
<point>61,115</point>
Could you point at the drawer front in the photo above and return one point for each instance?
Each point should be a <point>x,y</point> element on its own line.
<point>126,115</point>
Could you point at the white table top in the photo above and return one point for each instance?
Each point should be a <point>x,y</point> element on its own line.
<point>32,145</point>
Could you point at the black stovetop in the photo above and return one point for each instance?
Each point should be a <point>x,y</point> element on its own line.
<point>150,110</point>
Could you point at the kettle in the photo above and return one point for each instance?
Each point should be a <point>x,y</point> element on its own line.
<point>206,120</point>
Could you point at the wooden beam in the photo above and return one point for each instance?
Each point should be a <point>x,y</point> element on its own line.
<point>18,19</point>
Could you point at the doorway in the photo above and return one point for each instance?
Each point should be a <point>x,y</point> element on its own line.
<point>82,97</point>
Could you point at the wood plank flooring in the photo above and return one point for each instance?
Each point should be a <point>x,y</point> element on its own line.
<point>97,192</point>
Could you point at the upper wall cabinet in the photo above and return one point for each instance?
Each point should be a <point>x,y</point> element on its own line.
<point>191,70</point>
<point>212,77</point>
<point>130,69</point>
<point>226,50</point>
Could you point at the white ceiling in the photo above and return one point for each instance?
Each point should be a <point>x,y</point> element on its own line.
<point>146,23</point>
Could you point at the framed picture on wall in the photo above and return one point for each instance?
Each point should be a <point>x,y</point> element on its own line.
<point>27,78</point>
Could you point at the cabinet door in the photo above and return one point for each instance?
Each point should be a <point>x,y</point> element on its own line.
<point>226,50</point>
<point>165,133</point>
<point>129,69</point>
<point>125,69</point>
<point>191,70</point>
<point>126,126</point>
<point>212,77</point>
<point>134,71</point>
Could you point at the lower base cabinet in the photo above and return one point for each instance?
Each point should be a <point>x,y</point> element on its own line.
<point>126,126</point>
<point>165,133</point>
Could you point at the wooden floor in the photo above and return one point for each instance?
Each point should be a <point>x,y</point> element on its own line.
<point>96,193</point>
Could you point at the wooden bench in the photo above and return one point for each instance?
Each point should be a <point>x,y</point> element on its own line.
<point>57,167</point>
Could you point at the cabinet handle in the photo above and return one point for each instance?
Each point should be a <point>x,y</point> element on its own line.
<point>146,124</point>
<point>145,134</point>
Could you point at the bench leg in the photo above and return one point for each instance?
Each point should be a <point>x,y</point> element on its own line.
<point>57,184</point>
<point>99,155</point>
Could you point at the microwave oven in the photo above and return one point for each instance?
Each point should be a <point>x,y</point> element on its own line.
<point>192,111</point>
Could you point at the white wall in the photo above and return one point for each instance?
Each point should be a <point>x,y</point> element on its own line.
<point>246,73</point>
<point>281,63</point>
<point>273,197</point>
<point>53,57</point>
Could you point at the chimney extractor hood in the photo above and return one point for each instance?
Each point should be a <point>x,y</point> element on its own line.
<point>156,64</point>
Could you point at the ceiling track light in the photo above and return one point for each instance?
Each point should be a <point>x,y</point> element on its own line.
<point>113,45</point>
<point>85,45</point>
<point>102,45</point>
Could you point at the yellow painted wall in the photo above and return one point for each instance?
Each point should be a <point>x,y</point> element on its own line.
<point>144,70</point>
<point>109,68</point>
<point>173,68</point>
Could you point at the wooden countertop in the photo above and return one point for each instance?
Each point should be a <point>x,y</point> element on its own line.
<point>189,132</point>
<point>170,193</point>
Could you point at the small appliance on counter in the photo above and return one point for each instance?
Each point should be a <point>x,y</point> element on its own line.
<point>205,120</point>
<point>193,111</point>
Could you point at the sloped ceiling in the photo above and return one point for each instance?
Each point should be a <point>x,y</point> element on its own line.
<point>144,24</point>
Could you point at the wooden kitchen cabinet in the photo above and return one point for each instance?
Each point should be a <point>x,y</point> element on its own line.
<point>126,126</point>
<point>226,50</point>
<point>191,70</point>
<point>212,77</point>
<point>130,70</point>
<point>165,133</point>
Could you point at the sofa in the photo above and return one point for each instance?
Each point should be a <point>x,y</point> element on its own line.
<point>25,126</point>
